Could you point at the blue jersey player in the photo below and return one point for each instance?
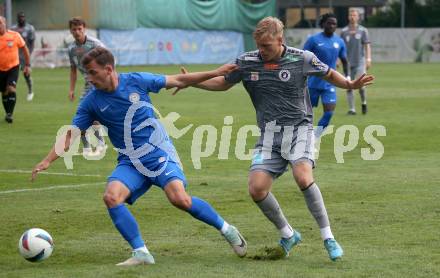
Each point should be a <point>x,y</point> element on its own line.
<point>147,157</point>
<point>328,47</point>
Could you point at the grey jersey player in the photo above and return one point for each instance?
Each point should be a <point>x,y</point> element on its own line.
<point>27,32</point>
<point>275,78</point>
<point>80,46</point>
<point>357,41</point>
<point>77,49</point>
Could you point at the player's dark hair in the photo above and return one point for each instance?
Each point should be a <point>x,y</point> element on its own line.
<point>324,18</point>
<point>76,21</point>
<point>100,55</point>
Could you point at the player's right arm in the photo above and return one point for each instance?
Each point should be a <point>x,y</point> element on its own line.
<point>73,77</point>
<point>61,146</point>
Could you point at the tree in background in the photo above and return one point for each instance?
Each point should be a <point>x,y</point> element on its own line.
<point>416,15</point>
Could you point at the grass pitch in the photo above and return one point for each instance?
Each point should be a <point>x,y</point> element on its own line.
<point>385,213</point>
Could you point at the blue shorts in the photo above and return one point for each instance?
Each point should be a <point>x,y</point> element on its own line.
<point>328,96</point>
<point>138,183</point>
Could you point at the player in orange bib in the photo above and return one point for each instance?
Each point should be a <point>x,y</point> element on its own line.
<point>10,43</point>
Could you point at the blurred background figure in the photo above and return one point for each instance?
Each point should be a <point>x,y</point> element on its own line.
<point>10,43</point>
<point>328,47</point>
<point>77,49</point>
<point>27,32</point>
<point>357,41</point>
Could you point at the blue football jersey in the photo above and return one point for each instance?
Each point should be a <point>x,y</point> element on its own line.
<point>328,50</point>
<point>128,115</point>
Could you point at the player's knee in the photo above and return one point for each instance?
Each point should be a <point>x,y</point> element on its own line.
<point>303,174</point>
<point>10,90</point>
<point>257,190</point>
<point>181,201</point>
<point>111,199</point>
<point>303,182</point>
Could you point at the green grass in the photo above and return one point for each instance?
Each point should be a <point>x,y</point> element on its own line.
<point>385,213</point>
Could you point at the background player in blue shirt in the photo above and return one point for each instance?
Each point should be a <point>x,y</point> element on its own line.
<point>328,47</point>
<point>147,156</point>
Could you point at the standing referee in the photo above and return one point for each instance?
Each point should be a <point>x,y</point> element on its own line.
<point>10,43</point>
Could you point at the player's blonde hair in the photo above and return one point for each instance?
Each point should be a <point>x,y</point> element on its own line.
<point>271,26</point>
<point>354,10</point>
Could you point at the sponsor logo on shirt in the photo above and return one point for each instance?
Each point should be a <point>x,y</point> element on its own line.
<point>254,76</point>
<point>284,75</point>
<point>104,108</point>
<point>292,58</point>
<point>271,66</point>
<point>10,43</point>
<point>357,36</point>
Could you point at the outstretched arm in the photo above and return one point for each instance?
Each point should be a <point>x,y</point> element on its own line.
<point>183,80</point>
<point>340,81</point>
<point>61,145</point>
<point>214,84</point>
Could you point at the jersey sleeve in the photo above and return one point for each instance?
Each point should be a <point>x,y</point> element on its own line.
<point>83,118</point>
<point>149,82</point>
<point>313,66</point>
<point>237,75</point>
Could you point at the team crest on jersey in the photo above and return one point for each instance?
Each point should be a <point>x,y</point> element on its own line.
<point>357,36</point>
<point>336,45</point>
<point>254,76</point>
<point>134,97</point>
<point>284,75</point>
<point>10,43</point>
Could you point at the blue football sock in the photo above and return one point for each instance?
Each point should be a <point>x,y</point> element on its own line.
<point>204,212</point>
<point>325,119</point>
<point>126,225</point>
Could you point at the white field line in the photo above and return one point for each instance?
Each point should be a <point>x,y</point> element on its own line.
<point>47,173</point>
<point>50,187</point>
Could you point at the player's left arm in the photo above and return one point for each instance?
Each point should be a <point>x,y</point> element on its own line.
<point>367,48</point>
<point>340,81</point>
<point>32,40</point>
<point>188,79</point>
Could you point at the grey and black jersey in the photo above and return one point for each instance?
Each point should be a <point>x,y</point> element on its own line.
<point>355,41</point>
<point>278,90</point>
<point>27,32</point>
<point>77,51</point>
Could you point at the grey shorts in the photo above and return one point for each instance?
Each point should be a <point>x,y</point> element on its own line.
<point>357,71</point>
<point>289,147</point>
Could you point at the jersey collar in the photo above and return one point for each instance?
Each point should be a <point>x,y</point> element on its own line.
<point>282,54</point>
